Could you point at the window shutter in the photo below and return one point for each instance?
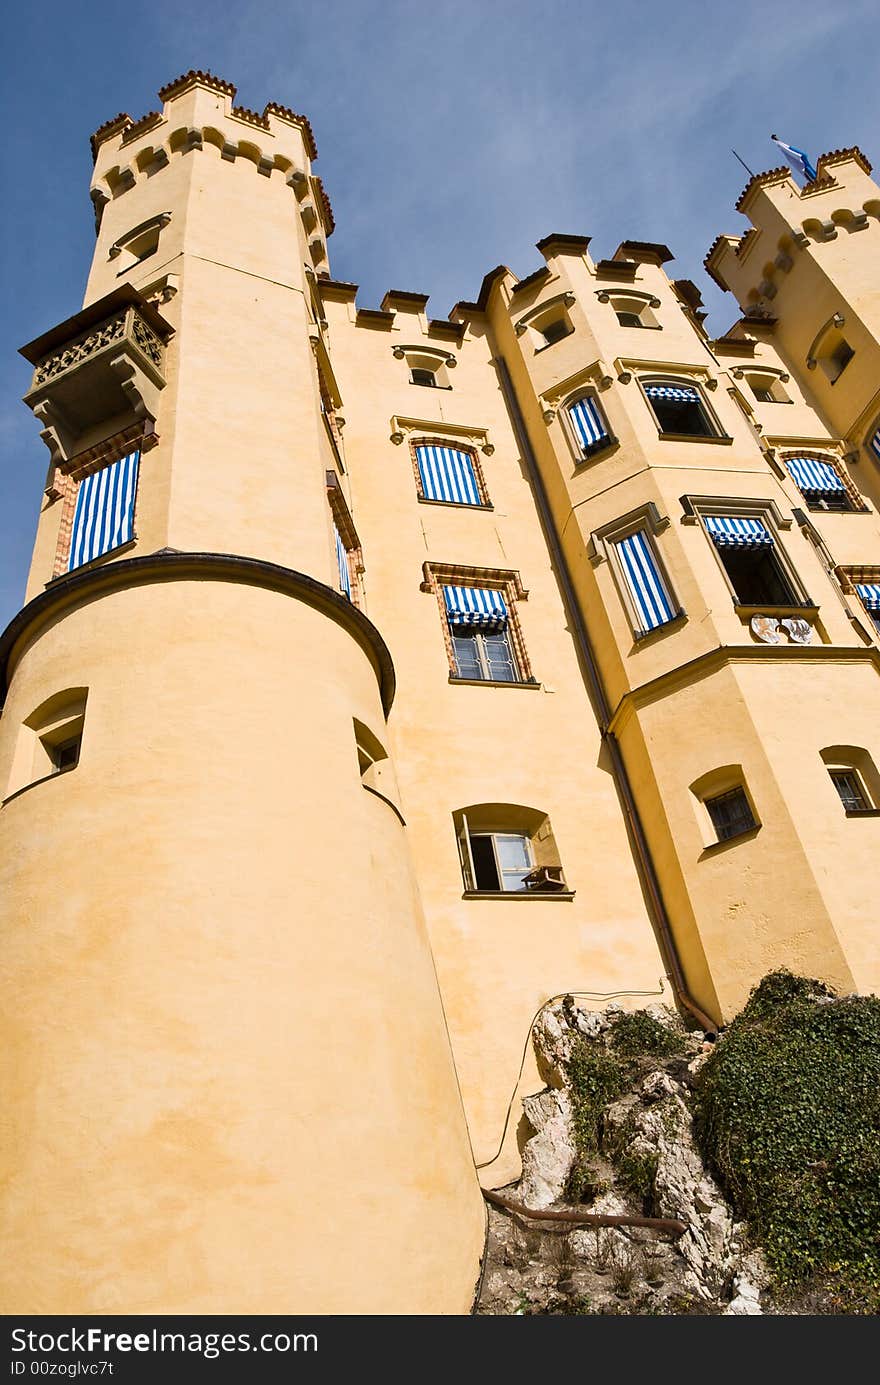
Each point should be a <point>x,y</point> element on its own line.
<point>643,579</point>
<point>448,474</point>
<point>875,443</point>
<point>104,514</point>
<point>814,477</point>
<point>475,608</point>
<point>732,531</point>
<point>589,426</point>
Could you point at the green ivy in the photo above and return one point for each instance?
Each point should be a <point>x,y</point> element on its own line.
<point>788,1115</point>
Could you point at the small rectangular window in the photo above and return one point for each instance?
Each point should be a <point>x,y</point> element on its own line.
<point>850,790</point>
<point>66,755</point>
<point>731,814</point>
<point>555,330</point>
<point>589,426</point>
<point>420,376</point>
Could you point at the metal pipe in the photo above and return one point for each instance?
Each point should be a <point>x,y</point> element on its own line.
<point>645,862</point>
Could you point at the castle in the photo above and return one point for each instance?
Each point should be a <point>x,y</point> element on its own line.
<point>381,677</point>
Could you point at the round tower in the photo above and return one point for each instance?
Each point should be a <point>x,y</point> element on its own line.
<point>229,1087</point>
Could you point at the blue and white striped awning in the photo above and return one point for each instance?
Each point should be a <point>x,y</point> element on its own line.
<point>875,443</point>
<point>732,531</point>
<point>342,564</point>
<point>685,393</point>
<point>813,476</point>
<point>448,474</point>
<point>870,594</point>
<point>588,425</point>
<point>104,514</point>
<point>475,608</point>
<point>646,587</point>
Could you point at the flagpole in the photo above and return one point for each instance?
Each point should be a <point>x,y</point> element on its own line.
<point>743,162</point>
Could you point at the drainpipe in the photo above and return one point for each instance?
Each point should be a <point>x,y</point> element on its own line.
<point>647,870</point>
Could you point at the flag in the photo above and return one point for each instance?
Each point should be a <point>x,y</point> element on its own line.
<point>797,158</point>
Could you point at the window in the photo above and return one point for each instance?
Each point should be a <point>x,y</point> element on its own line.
<point>747,552</point>
<point>820,483</point>
<point>555,330</point>
<point>633,309</point>
<point>420,376</point>
<point>731,814</point>
<point>874,444</point>
<point>680,410</point>
<point>767,389</point>
<point>850,790</point>
<point>346,544</point>
<point>853,773</point>
<point>639,566</point>
<point>428,366</point>
<point>869,595</point>
<point>65,755</point>
<point>449,474</point>
<point>837,360</point>
<point>104,515</point>
<point>481,644</point>
<point>502,861</point>
<point>629,319</point>
<point>508,849</point>
<point>139,243</point>
<point>588,426</point>
<point>49,741</point>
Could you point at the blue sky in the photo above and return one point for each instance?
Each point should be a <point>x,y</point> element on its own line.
<point>452,136</point>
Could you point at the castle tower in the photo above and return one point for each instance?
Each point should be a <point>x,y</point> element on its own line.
<point>230,1063</point>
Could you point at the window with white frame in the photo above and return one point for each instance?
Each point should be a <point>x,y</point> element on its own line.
<point>479,626</point>
<point>506,848</point>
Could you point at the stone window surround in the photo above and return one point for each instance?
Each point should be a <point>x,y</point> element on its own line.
<point>437,575</point>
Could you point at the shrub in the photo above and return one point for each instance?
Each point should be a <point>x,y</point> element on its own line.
<point>788,1115</point>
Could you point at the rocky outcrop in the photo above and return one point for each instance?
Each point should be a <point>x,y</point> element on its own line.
<point>646,1162</point>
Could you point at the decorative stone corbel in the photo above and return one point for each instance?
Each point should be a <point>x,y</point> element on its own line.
<point>265,166</point>
<point>767,289</point>
<point>127,179</point>
<point>800,239</point>
<point>549,415</point>
<point>520,328</point>
<point>299,182</point>
<point>193,140</point>
<point>396,437</point>
<point>783,262</point>
<point>624,377</point>
<point>738,373</point>
<point>127,374</point>
<point>99,201</point>
<point>229,151</point>
<point>828,229</point>
<point>604,296</point>
<point>160,158</point>
<point>859,221</point>
<point>784,376</point>
<point>569,299</point>
<point>398,353</point>
<point>53,430</point>
<point>711,383</point>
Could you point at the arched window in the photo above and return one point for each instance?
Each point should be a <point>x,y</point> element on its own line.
<point>854,776</point>
<point>508,849</point>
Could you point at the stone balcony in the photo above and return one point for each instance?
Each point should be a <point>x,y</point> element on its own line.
<point>99,371</point>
